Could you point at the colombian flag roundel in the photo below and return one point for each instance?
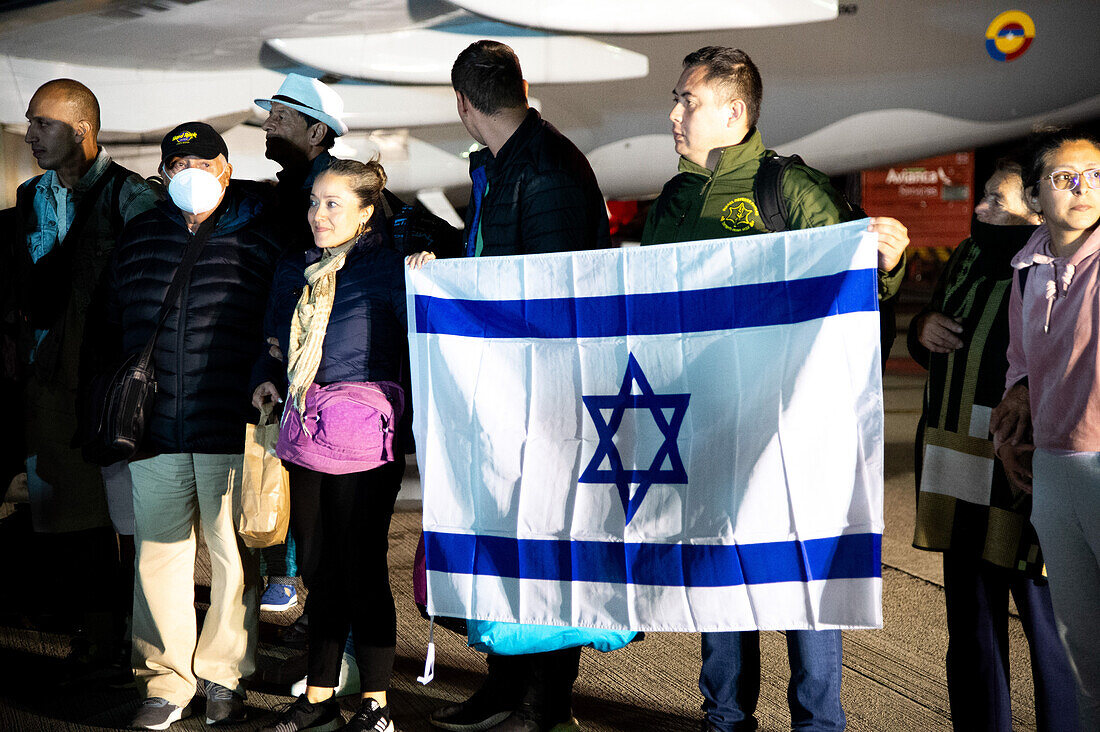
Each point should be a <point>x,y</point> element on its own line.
<point>1009,35</point>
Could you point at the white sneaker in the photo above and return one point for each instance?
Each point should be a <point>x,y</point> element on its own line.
<point>349,679</point>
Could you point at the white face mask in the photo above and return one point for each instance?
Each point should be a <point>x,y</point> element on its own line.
<point>195,191</point>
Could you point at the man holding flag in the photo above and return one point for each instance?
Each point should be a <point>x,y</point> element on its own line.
<point>533,192</point>
<point>715,196</point>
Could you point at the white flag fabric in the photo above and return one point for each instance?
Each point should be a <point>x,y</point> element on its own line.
<point>684,437</point>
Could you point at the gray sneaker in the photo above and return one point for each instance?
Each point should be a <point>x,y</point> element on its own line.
<point>158,713</point>
<point>223,706</point>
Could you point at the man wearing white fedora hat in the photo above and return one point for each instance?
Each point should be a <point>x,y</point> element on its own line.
<point>303,122</point>
<point>304,119</point>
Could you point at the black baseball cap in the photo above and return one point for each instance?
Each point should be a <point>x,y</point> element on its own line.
<point>193,138</point>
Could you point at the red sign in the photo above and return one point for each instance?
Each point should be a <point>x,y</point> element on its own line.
<point>933,197</point>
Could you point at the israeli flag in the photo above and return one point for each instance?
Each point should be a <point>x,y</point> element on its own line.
<point>684,437</point>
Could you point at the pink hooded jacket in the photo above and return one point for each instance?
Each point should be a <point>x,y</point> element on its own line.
<point>1054,341</point>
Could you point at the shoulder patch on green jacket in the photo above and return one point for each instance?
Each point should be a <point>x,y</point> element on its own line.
<point>740,214</point>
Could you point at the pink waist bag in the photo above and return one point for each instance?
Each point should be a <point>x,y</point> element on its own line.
<point>349,427</point>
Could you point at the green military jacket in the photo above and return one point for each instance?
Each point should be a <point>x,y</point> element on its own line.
<point>702,204</point>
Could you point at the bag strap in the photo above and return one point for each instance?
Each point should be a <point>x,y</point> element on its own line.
<point>767,189</point>
<point>117,220</point>
<point>88,202</point>
<point>182,276</point>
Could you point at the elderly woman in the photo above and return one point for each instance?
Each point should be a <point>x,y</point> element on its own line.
<point>340,308</point>
<point>1053,376</point>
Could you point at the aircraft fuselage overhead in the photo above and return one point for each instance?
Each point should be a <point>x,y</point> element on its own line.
<point>846,85</point>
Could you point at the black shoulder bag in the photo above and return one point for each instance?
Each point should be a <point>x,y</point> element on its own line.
<point>127,398</point>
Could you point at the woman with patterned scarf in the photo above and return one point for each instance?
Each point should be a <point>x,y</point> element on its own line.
<point>340,306</point>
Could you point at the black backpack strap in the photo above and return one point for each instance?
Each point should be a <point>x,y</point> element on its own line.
<point>120,174</point>
<point>767,190</point>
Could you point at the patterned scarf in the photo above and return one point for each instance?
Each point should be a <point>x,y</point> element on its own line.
<point>309,323</point>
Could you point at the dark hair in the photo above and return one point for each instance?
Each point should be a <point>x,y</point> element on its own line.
<point>488,74</point>
<point>78,95</point>
<point>1009,164</point>
<point>1042,143</point>
<point>732,75</point>
<point>330,136</point>
<point>366,179</point>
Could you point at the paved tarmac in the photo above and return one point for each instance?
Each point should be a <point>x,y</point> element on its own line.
<point>893,678</point>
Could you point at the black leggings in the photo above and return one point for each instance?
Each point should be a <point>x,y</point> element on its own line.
<point>341,525</point>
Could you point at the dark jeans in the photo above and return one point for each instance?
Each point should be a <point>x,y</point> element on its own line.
<point>341,528</point>
<point>977,649</point>
<point>730,680</point>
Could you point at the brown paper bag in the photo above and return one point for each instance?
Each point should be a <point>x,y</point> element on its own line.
<point>265,486</point>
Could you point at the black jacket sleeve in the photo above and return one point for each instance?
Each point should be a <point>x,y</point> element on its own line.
<point>267,367</point>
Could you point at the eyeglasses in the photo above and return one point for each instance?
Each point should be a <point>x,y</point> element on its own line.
<point>1068,180</point>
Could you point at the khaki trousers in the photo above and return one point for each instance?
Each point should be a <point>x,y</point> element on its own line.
<point>172,495</point>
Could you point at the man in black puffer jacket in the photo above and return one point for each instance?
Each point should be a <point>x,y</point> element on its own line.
<point>189,466</point>
<point>534,192</point>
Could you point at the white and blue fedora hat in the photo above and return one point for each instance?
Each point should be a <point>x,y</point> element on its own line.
<point>311,97</point>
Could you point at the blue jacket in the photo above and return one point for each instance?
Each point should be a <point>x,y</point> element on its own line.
<point>366,337</point>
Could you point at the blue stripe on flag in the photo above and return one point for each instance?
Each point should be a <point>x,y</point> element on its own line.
<point>848,556</point>
<point>690,311</point>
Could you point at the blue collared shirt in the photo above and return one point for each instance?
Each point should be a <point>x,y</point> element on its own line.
<point>54,209</point>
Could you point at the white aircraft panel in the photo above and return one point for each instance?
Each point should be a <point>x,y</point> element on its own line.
<point>170,97</point>
<point>651,16</point>
<point>436,202</point>
<point>881,137</point>
<point>634,168</point>
<point>425,56</point>
<point>135,100</point>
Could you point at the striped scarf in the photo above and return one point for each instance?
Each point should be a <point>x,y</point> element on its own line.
<point>309,323</point>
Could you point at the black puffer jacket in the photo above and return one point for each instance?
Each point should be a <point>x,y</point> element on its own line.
<point>205,351</point>
<point>542,195</point>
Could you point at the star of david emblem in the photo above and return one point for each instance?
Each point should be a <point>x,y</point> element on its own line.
<point>668,453</point>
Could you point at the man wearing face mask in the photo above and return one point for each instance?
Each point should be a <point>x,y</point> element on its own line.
<point>189,463</point>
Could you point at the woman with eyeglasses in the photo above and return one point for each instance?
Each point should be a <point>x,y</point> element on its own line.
<point>1054,389</point>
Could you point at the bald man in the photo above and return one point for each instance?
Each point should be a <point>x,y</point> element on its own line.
<point>67,222</point>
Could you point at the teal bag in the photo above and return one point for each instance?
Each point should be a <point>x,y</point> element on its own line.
<point>511,639</point>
